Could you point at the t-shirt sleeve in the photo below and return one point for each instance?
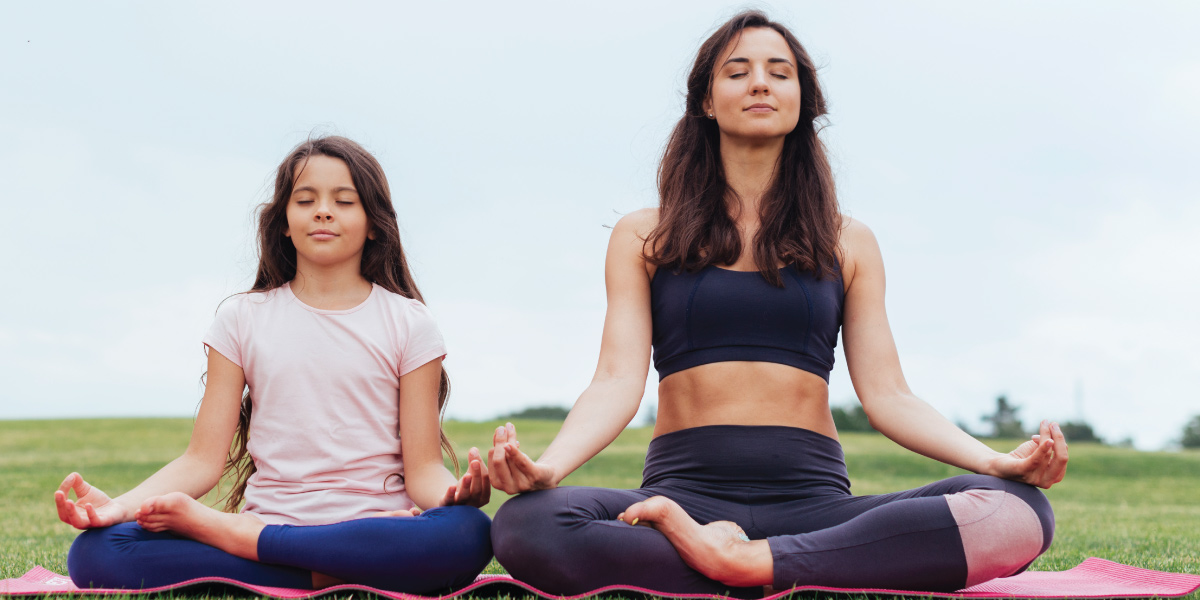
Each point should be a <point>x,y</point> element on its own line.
<point>222,335</point>
<point>422,340</point>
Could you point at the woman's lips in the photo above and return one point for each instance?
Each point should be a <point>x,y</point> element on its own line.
<point>322,234</point>
<point>760,108</point>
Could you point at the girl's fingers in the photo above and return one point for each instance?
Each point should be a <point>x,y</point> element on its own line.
<point>93,518</point>
<point>68,483</point>
<point>66,510</point>
<point>81,487</point>
<point>448,499</point>
<point>464,487</point>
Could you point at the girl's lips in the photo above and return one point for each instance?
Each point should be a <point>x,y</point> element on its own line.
<point>322,234</point>
<point>760,108</point>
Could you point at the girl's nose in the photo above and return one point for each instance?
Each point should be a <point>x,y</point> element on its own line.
<point>323,213</point>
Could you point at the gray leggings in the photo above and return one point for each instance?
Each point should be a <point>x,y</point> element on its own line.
<point>786,485</point>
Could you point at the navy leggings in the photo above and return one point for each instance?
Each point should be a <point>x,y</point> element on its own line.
<point>438,550</point>
<point>784,484</point>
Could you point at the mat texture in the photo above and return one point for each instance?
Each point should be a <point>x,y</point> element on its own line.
<point>1093,578</point>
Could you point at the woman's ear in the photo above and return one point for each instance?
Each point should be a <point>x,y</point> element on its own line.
<point>371,234</point>
<point>707,107</point>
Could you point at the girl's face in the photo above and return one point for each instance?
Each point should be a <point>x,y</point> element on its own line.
<point>755,89</point>
<point>325,216</point>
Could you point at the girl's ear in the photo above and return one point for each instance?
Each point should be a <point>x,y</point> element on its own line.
<point>371,234</point>
<point>707,107</point>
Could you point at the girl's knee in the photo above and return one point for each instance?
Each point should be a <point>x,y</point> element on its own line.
<point>97,555</point>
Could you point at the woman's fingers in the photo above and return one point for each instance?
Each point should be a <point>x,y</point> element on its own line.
<point>498,461</point>
<point>533,473</point>
<point>1058,467</point>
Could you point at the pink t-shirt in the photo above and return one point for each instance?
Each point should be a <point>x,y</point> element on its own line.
<point>325,385</point>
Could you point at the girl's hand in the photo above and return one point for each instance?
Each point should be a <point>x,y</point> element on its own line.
<point>1042,461</point>
<point>473,489</point>
<point>92,507</point>
<point>412,512</point>
<point>513,471</point>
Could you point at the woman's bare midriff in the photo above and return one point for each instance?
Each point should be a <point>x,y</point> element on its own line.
<point>744,393</point>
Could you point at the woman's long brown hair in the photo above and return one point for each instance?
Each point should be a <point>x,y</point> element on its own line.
<point>383,263</point>
<point>799,213</point>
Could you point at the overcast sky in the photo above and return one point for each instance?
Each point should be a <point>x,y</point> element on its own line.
<point>1028,168</point>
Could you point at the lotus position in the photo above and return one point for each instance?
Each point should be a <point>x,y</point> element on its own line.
<point>341,363</point>
<point>737,286</point>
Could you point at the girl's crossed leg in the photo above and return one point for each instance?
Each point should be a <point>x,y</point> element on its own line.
<point>439,549</point>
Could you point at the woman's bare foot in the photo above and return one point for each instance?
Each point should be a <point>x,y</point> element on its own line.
<point>719,550</point>
<point>179,513</point>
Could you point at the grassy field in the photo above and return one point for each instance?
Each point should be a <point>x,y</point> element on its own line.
<point>1138,508</point>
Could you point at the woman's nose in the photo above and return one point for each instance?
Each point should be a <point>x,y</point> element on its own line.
<point>759,84</point>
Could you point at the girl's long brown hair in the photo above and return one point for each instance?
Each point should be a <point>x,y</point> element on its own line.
<point>383,263</point>
<point>799,213</point>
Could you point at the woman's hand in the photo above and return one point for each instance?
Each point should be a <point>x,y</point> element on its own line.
<point>473,489</point>
<point>92,507</point>
<point>513,471</point>
<point>1042,461</point>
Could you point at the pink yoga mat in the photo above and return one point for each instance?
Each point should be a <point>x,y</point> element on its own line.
<point>1093,578</point>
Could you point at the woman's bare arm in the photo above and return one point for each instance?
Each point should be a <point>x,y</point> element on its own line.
<point>611,400</point>
<point>891,406</point>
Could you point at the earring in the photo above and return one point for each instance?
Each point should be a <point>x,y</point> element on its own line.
<point>710,115</point>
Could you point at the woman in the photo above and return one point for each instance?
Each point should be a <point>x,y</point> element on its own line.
<point>740,282</point>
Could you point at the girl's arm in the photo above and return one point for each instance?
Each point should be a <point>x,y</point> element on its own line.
<point>194,473</point>
<point>426,478</point>
<point>894,410</point>
<point>611,400</point>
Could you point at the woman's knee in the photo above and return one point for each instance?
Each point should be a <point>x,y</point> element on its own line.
<point>1002,530</point>
<point>529,530</point>
<point>1033,497</point>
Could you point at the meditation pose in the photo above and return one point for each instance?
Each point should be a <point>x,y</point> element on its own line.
<point>737,285</point>
<point>337,443</point>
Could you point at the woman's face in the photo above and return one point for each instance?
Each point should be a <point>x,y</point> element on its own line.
<point>755,89</point>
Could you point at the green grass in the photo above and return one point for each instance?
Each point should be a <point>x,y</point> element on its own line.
<point>1138,508</point>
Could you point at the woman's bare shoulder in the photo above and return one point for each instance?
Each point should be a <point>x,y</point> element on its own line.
<point>859,248</point>
<point>628,242</point>
<point>639,222</point>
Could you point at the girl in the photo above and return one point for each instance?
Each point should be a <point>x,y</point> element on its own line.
<point>740,282</point>
<point>343,365</point>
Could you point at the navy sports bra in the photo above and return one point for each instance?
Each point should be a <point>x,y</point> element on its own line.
<point>718,315</point>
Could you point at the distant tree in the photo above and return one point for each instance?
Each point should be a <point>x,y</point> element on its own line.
<point>1077,432</point>
<point>651,416</point>
<point>548,413</point>
<point>852,418</point>
<point>1005,423</point>
<point>1191,433</point>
